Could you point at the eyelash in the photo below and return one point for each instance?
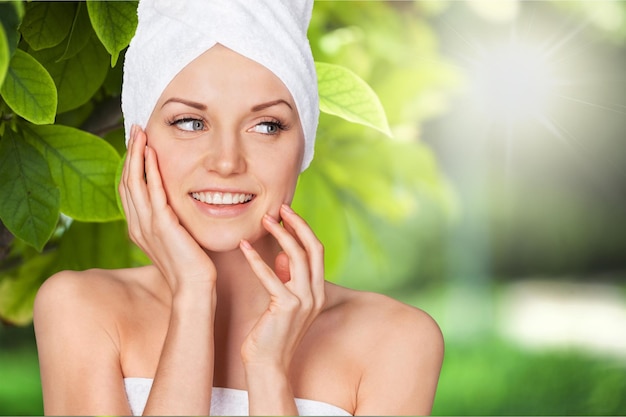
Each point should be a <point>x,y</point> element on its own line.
<point>273,122</point>
<point>180,120</point>
<point>270,122</point>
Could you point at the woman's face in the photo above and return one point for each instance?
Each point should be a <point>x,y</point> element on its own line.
<point>229,145</point>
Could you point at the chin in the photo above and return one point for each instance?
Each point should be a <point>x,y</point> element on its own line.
<point>227,242</point>
<point>220,245</point>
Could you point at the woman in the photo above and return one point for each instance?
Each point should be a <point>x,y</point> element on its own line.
<point>218,133</point>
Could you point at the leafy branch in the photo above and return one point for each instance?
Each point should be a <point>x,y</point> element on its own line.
<point>61,147</point>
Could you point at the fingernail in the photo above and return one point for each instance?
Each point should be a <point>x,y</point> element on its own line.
<point>287,208</point>
<point>245,244</point>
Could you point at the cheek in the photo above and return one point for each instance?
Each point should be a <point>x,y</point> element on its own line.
<point>171,168</point>
<point>284,177</point>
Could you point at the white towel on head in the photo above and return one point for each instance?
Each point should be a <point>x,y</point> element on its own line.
<point>172,33</point>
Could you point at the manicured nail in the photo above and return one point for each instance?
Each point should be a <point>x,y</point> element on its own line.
<point>288,209</point>
<point>245,244</point>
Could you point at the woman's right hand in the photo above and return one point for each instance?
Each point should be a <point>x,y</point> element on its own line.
<point>153,225</point>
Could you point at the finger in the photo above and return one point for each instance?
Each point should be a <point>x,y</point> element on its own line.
<point>136,189</point>
<point>291,230</point>
<point>268,279</point>
<point>136,183</point>
<point>123,185</point>
<point>124,180</point>
<point>312,245</point>
<point>154,181</point>
<point>298,263</point>
<point>281,267</point>
<point>128,154</point>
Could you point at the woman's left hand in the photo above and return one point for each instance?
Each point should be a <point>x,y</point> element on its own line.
<point>296,297</point>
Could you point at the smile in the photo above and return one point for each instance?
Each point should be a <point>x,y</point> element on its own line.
<point>218,198</point>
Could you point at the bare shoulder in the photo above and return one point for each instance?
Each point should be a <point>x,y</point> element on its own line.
<point>399,348</point>
<point>69,299</point>
<point>371,313</point>
<point>91,290</point>
<point>82,316</point>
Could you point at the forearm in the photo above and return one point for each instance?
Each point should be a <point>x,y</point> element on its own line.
<point>184,377</point>
<point>269,392</point>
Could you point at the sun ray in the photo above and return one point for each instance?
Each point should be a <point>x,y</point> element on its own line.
<point>608,183</point>
<point>596,105</point>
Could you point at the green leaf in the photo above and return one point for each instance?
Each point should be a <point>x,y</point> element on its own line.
<point>10,17</point>
<point>318,204</point>
<point>11,13</point>
<point>95,245</point>
<point>345,94</point>
<point>17,292</point>
<point>112,85</point>
<point>29,90</point>
<point>77,78</point>
<point>114,22</point>
<point>5,55</point>
<point>117,139</point>
<point>47,23</point>
<point>29,206</point>
<point>83,166</point>
<point>118,179</point>
<point>80,32</point>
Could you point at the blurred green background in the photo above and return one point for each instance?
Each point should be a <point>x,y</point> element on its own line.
<point>504,213</point>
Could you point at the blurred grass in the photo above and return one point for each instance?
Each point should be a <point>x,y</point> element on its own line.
<point>20,387</point>
<point>493,377</point>
<point>481,375</point>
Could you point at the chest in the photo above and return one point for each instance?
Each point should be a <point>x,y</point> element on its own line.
<point>321,369</point>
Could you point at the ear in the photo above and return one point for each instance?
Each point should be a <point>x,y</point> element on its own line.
<point>281,267</point>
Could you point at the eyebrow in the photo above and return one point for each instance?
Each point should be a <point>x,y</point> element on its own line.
<point>189,103</point>
<point>263,106</point>
<point>203,107</point>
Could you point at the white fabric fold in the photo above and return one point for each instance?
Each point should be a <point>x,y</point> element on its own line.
<point>224,401</point>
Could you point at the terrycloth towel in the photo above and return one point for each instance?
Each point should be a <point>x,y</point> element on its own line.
<point>172,33</point>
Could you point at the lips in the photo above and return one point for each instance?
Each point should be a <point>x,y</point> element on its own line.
<point>221,198</point>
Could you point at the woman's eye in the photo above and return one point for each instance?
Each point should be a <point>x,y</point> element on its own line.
<point>267,128</point>
<point>190,125</point>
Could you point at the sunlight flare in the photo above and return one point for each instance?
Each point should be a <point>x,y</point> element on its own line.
<point>514,82</point>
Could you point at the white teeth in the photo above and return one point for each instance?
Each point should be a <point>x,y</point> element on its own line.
<point>222,198</point>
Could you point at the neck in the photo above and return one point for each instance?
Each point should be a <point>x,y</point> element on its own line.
<point>240,294</point>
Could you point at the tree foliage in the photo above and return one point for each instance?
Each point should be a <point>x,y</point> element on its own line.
<point>61,140</point>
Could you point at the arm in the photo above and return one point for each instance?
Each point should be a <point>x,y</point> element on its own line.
<point>295,302</point>
<point>184,376</point>
<point>78,349</point>
<point>76,318</point>
<point>401,373</point>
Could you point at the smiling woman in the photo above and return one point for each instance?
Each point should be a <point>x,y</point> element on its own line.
<point>234,315</point>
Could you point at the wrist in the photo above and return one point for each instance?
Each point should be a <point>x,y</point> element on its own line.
<point>265,371</point>
<point>195,296</point>
<point>269,391</point>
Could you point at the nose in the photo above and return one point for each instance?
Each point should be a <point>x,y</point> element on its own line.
<point>225,155</point>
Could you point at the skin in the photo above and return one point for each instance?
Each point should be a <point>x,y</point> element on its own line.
<point>236,295</point>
